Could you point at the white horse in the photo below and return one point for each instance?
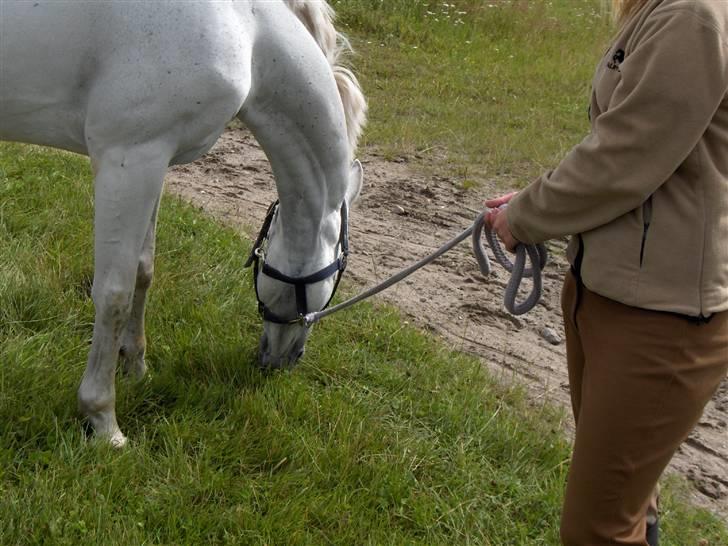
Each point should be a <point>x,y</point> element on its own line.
<point>139,86</point>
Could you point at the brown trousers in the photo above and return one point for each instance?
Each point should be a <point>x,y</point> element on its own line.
<point>639,381</point>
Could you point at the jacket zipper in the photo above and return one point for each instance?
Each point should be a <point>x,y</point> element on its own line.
<point>646,219</point>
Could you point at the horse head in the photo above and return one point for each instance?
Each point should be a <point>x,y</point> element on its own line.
<point>291,281</point>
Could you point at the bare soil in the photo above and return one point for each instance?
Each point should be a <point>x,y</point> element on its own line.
<point>404,213</point>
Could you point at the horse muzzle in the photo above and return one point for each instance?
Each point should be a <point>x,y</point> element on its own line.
<point>274,356</point>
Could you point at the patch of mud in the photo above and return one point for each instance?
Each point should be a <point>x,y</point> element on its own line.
<point>403,215</point>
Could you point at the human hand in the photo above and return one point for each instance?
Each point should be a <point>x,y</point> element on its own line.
<point>496,220</point>
<point>498,201</point>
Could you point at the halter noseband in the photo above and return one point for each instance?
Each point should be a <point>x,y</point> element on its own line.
<point>257,257</point>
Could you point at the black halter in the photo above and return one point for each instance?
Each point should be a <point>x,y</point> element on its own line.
<point>257,257</point>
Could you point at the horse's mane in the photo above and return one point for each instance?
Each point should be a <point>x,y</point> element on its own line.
<point>318,17</point>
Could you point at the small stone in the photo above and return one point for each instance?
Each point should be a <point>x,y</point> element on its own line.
<point>400,210</point>
<point>550,335</point>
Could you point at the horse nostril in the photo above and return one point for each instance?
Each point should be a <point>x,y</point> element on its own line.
<point>263,352</point>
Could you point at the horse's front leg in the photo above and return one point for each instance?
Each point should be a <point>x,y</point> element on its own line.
<point>128,184</point>
<point>133,341</point>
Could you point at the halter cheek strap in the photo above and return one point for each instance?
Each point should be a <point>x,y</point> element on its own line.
<point>299,283</point>
<point>262,235</point>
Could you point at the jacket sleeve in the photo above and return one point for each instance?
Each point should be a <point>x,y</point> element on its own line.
<point>672,83</point>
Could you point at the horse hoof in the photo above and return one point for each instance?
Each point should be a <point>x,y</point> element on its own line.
<point>117,440</point>
<point>100,424</point>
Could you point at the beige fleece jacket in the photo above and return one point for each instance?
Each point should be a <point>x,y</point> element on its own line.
<point>647,189</point>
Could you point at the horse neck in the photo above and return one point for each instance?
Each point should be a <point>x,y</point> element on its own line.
<point>296,114</point>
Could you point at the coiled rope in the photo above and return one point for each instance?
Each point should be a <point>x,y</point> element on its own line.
<point>537,255</point>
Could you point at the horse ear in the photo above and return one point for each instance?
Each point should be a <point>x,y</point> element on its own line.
<point>356,178</point>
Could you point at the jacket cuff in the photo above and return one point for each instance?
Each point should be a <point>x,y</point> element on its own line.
<point>515,223</point>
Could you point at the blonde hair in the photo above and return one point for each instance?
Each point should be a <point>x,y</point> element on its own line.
<point>624,9</point>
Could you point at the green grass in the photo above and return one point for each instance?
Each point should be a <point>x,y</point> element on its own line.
<point>380,436</point>
<point>497,88</point>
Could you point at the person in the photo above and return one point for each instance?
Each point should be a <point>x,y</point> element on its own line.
<point>645,305</point>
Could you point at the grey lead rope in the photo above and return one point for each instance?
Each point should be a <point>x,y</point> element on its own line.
<point>536,253</point>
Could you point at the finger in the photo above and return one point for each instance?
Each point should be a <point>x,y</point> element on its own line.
<point>506,238</point>
<point>490,218</point>
<point>503,230</point>
<point>500,223</point>
<point>498,201</point>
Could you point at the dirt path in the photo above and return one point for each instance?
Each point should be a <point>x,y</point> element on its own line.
<point>401,216</point>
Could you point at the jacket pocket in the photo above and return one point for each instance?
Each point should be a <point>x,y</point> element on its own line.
<point>646,220</point>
